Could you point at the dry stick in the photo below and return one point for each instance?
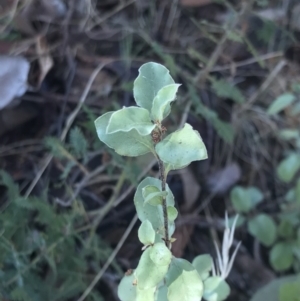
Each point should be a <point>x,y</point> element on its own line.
<point>109,260</point>
<point>264,85</point>
<point>250,61</point>
<point>109,15</point>
<point>68,125</point>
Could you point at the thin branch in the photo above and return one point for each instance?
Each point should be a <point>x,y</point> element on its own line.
<point>164,201</point>
<point>109,260</point>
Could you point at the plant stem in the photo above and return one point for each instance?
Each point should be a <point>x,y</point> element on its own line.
<point>164,201</point>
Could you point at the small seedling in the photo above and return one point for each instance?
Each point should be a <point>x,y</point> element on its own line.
<point>135,131</point>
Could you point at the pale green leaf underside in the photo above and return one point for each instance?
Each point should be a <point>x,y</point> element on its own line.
<point>153,213</point>
<point>181,147</point>
<point>203,264</point>
<point>172,213</point>
<point>161,103</point>
<point>160,254</point>
<point>130,118</point>
<point>153,195</point>
<point>146,294</point>
<point>130,143</point>
<point>288,167</point>
<point>152,77</point>
<point>146,233</point>
<point>147,273</point>
<point>215,289</point>
<point>183,281</point>
<point>126,290</point>
<point>281,103</point>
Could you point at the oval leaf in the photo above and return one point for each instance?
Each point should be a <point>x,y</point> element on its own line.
<point>183,281</point>
<point>263,228</point>
<point>203,264</point>
<point>215,289</point>
<point>152,77</point>
<point>271,290</point>
<point>154,214</point>
<point>145,294</point>
<point>146,233</point>
<point>172,213</point>
<point>153,195</point>
<point>160,254</point>
<point>245,199</point>
<point>127,119</point>
<point>161,103</point>
<point>281,103</point>
<point>126,289</point>
<point>147,273</point>
<point>281,256</point>
<point>130,143</point>
<point>182,147</point>
<point>288,167</point>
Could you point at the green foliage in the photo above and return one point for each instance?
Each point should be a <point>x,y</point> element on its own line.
<point>136,131</point>
<point>276,289</point>
<point>224,129</point>
<point>288,167</point>
<point>78,142</point>
<point>280,103</point>
<point>223,89</point>
<point>263,227</point>
<point>43,239</point>
<point>180,148</point>
<point>245,199</point>
<point>281,256</point>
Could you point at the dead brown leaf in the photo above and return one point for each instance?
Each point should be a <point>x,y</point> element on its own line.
<point>44,59</point>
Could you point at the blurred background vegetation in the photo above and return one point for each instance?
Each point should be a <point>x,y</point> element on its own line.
<point>66,220</point>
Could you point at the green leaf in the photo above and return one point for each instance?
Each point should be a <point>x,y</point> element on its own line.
<point>226,90</point>
<point>288,134</point>
<point>297,191</point>
<point>263,228</point>
<point>281,256</point>
<point>162,293</point>
<point>146,233</point>
<point>147,273</point>
<point>270,292</point>
<point>203,264</point>
<point>290,292</point>
<point>181,147</point>
<point>172,213</point>
<point>288,167</point>
<point>160,254</point>
<point>124,143</point>
<point>161,103</point>
<point>281,103</point>
<point>154,214</point>
<point>286,229</point>
<point>183,281</point>
<point>78,142</point>
<point>145,294</point>
<point>215,289</point>
<point>245,199</point>
<point>152,77</point>
<point>126,289</point>
<point>127,119</point>
<point>153,195</point>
